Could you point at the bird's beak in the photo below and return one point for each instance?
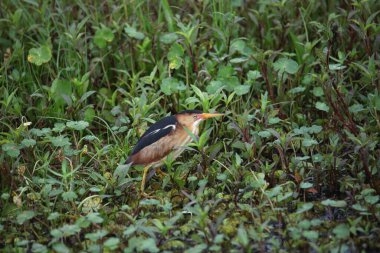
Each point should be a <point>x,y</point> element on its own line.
<point>210,115</point>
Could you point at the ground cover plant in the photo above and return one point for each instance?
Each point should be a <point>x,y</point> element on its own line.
<point>293,166</point>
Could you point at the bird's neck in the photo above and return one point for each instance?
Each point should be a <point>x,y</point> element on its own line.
<point>194,128</point>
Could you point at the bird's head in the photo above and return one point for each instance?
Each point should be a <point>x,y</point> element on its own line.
<point>194,117</point>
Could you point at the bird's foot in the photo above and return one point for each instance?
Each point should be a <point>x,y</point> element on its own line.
<point>160,173</point>
<point>147,195</point>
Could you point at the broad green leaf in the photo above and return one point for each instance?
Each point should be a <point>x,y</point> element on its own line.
<point>25,216</point>
<point>296,90</point>
<point>168,38</point>
<point>11,149</point>
<point>309,142</point>
<point>337,66</point>
<point>286,65</point>
<point>274,120</point>
<point>60,141</point>
<point>238,46</point>
<point>311,234</point>
<point>372,199</point>
<point>318,91</point>
<point>214,86</point>
<point>305,207</point>
<point>89,114</point>
<point>61,91</point>
<point>40,132</point>
<point>322,106</point>
<point>69,196</point>
<point>112,243</point>
<point>94,218</point>
<point>334,203</point>
<point>171,85</point>
<point>28,142</point>
<point>356,108</point>
<point>103,36</point>
<point>306,185</point>
<point>59,127</point>
<point>39,56</point>
<point>61,248</point>
<point>39,248</point>
<point>264,134</point>
<point>197,249</point>
<point>342,231</point>
<point>242,89</point>
<point>133,33</point>
<point>77,125</point>
<point>175,56</point>
<point>253,75</point>
<point>96,235</point>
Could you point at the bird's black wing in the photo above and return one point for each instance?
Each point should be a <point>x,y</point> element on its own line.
<point>156,132</point>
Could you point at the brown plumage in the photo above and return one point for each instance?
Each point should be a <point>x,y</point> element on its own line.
<point>169,135</point>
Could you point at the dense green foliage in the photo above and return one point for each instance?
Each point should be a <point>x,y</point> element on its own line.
<point>293,165</point>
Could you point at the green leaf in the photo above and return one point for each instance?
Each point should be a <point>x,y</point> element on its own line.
<point>28,143</point>
<point>359,208</point>
<point>274,120</point>
<point>305,207</point>
<point>214,86</point>
<point>264,134</point>
<point>112,243</point>
<point>94,218</point>
<point>61,91</point>
<point>286,65</point>
<point>309,142</point>
<point>243,236</point>
<point>175,56</point>
<point>40,132</point>
<point>314,129</point>
<point>60,141</point>
<point>59,127</point>
<point>253,75</point>
<point>53,216</point>
<point>168,38</point>
<point>197,249</point>
<point>322,106</point>
<point>25,216</point>
<point>96,235</point>
<point>356,108</point>
<point>334,203</point>
<point>296,90</point>
<point>37,247</point>
<point>69,196</point>
<point>337,66</point>
<point>306,185</point>
<point>39,56</point>
<point>242,89</point>
<point>11,149</point>
<point>318,91</point>
<point>342,231</point>
<point>103,36</point>
<point>65,231</point>
<point>61,248</point>
<point>133,33</point>
<point>311,235</point>
<point>77,125</point>
<point>371,199</point>
<point>171,85</point>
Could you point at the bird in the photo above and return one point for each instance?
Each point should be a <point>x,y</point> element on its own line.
<point>168,136</point>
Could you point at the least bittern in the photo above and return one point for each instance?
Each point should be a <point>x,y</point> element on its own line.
<point>170,135</point>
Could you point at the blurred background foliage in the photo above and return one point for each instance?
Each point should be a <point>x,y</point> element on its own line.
<point>293,166</point>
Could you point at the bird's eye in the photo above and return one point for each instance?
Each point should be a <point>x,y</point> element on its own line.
<point>195,116</point>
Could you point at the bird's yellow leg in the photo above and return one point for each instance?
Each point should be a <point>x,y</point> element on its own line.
<point>161,173</point>
<point>143,181</point>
